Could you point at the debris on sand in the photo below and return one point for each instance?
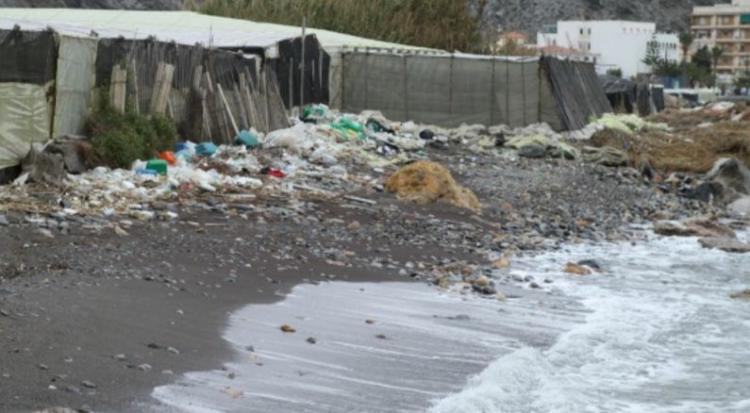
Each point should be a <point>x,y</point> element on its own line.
<point>694,150</point>
<point>288,329</point>
<point>426,182</point>
<point>726,245</point>
<point>694,227</point>
<point>575,269</point>
<point>742,295</point>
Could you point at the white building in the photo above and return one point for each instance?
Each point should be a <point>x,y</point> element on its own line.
<point>616,44</point>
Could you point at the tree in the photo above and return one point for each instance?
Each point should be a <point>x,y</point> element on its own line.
<point>716,53</point>
<point>653,56</point>
<point>615,72</point>
<point>700,68</point>
<point>686,41</point>
<point>703,59</point>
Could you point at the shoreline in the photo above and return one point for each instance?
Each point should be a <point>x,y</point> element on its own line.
<point>148,316</point>
<point>96,312</point>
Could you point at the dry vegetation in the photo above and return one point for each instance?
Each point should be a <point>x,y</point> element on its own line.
<point>442,24</point>
<point>426,182</point>
<point>693,145</point>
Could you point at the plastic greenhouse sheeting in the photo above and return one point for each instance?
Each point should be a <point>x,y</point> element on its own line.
<point>24,120</point>
<point>449,90</point>
<point>75,82</point>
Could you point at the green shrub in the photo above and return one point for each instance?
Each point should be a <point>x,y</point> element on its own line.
<point>121,139</point>
<point>119,148</point>
<point>165,132</point>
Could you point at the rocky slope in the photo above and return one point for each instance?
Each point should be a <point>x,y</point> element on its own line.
<point>97,4</point>
<point>531,15</point>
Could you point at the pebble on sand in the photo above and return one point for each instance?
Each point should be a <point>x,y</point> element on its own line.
<point>287,329</point>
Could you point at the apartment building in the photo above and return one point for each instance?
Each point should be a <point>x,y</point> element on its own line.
<point>613,44</point>
<point>727,26</point>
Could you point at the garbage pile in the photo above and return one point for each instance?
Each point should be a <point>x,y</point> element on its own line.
<point>325,152</point>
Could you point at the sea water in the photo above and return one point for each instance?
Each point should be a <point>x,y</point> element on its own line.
<point>663,335</point>
<point>654,331</point>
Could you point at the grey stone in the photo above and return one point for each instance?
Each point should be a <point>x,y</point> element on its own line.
<point>88,384</point>
<point>532,151</point>
<point>725,244</point>
<point>731,173</point>
<point>43,168</point>
<point>740,208</point>
<point>77,154</point>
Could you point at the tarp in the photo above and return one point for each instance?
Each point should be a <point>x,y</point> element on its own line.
<point>577,91</point>
<point>74,85</point>
<point>447,90</point>
<point>288,68</point>
<point>24,120</point>
<point>27,57</point>
<point>621,93</point>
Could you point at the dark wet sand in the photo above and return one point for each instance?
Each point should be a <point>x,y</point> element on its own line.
<point>82,299</point>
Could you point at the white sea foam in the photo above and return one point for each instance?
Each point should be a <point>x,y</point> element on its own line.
<point>654,332</point>
<point>662,336</point>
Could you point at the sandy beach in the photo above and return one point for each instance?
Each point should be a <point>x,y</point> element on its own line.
<point>108,314</point>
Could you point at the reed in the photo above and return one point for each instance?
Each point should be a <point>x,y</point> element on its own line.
<point>441,24</point>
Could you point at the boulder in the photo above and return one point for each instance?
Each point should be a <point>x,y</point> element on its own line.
<point>725,244</point>
<point>740,208</point>
<point>532,151</point>
<point>77,154</point>
<point>694,227</point>
<point>43,168</point>
<point>731,173</point>
<point>710,192</point>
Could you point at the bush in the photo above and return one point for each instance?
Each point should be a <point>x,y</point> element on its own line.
<point>119,148</point>
<point>121,139</point>
<point>165,132</point>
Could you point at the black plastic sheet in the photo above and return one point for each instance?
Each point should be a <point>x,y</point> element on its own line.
<point>577,91</point>
<point>27,57</point>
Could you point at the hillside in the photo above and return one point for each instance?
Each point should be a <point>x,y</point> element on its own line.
<point>531,15</point>
<point>525,15</point>
<point>98,4</point>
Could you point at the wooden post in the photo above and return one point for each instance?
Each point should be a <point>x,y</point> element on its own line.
<point>302,65</point>
<point>214,120</point>
<point>228,109</point>
<point>162,88</point>
<point>118,88</point>
<point>247,95</point>
<point>134,96</point>
<point>268,104</point>
<point>291,85</point>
